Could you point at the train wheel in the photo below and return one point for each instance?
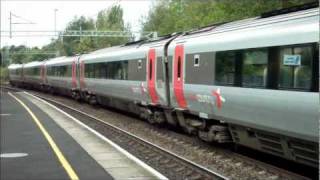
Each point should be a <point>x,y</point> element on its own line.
<point>93,100</point>
<point>51,91</point>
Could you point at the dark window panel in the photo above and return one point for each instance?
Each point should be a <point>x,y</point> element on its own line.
<point>225,68</point>
<point>255,68</point>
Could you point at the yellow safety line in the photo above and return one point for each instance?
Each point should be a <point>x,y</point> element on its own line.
<point>53,145</point>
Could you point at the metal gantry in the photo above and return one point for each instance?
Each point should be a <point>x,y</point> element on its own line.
<point>76,33</point>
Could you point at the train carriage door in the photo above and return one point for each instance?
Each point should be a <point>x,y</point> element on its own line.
<point>82,84</point>
<point>178,75</point>
<point>73,74</point>
<point>151,68</point>
<point>42,74</point>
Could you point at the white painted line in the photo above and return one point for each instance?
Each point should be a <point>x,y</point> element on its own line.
<point>13,155</point>
<point>126,153</point>
<point>5,114</point>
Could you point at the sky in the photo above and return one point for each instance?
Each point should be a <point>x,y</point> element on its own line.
<point>42,14</point>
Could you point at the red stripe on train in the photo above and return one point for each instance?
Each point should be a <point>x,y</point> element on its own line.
<point>151,76</point>
<point>74,75</point>
<point>82,69</point>
<point>178,76</point>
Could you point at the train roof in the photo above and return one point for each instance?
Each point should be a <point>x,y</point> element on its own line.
<point>61,60</point>
<point>252,22</point>
<point>15,66</point>
<point>33,64</point>
<point>285,29</point>
<point>134,49</point>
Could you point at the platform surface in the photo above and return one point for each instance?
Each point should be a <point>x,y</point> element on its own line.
<point>26,152</point>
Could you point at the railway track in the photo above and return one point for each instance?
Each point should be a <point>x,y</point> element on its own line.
<point>176,167</point>
<point>169,164</point>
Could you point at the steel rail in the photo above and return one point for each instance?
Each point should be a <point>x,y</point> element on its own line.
<point>204,172</point>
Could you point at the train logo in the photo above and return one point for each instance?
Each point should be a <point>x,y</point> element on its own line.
<point>214,99</point>
<point>219,98</point>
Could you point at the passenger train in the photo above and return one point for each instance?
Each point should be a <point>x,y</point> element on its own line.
<point>253,82</point>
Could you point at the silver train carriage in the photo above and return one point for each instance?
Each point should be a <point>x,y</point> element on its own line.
<point>61,76</point>
<point>119,77</point>
<point>255,79</point>
<point>33,74</point>
<point>15,74</point>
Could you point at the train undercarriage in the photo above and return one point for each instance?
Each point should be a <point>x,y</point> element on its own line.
<point>209,130</point>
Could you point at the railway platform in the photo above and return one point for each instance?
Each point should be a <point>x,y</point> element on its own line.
<point>39,141</point>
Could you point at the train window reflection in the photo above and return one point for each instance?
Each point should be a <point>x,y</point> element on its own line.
<point>295,67</point>
<point>225,68</point>
<point>254,69</point>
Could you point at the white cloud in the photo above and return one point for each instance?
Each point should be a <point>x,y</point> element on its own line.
<point>42,13</point>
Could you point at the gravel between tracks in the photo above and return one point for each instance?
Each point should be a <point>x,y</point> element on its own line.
<point>212,157</point>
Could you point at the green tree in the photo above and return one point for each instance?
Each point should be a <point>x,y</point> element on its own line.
<point>181,15</point>
<point>76,45</point>
<point>111,20</point>
<point>17,54</point>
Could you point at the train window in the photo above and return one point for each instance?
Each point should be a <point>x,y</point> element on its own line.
<point>196,60</point>
<point>150,69</point>
<point>69,71</point>
<point>92,71</point>
<point>51,71</point>
<point>87,70</point>
<point>64,71</point>
<point>225,68</point>
<point>34,73</point>
<point>254,68</point>
<point>102,67</point>
<point>315,65</point>
<point>139,64</point>
<point>37,71</point>
<point>296,67</point>
<point>96,69</point>
<point>179,68</point>
<point>125,70</point>
<point>109,71</point>
<point>55,69</point>
<point>119,74</point>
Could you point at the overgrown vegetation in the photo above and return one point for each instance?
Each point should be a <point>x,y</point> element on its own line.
<point>181,15</point>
